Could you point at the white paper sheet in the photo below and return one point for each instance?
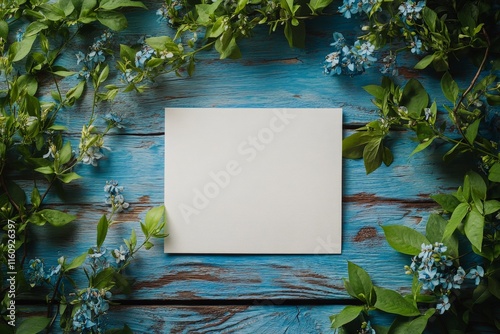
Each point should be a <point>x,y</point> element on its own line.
<point>253,181</point>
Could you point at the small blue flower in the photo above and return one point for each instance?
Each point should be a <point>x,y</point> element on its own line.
<point>142,56</point>
<point>429,278</point>
<point>36,272</point>
<point>121,255</point>
<point>348,8</point>
<point>112,188</point>
<point>443,305</point>
<point>459,276</point>
<point>19,35</point>
<point>476,274</point>
<point>416,46</point>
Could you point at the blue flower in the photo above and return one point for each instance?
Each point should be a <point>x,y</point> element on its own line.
<point>429,278</point>
<point>121,255</point>
<point>19,35</point>
<point>348,8</point>
<point>142,56</point>
<point>112,188</point>
<point>36,272</point>
<point>459,276</point>
<point>443,305</point>
<point>416,46</point>
<point>476,274</point>
<point>93,304</point>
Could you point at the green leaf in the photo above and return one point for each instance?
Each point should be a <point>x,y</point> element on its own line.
<point>392,302</point>
<point>423,145</point>
<point>434,228</point>
<point>353,145</point>
<point>376,91</point>
<point>456,218</point>
<point>76,262</point>
<point>19,50</point>
<point>104,279</point>
<point>148,245</point>
<point>102,230</point>
<point>477,185</point>
<point>114,20</point>
<point>449,88</point>
<point>373,154</point>
<point>430,18</point>
<point>414,326</point>
<point>348,314</point>
<point>33,325</point>
<point>114,4</point>
<point>154,218</point>
<point>158,43</point>
<point>56,217</point>
<point>65,153</point>
<point>103,75</point>
<point>317,5</point>
<point>35,197</point>
<point>494,173</point>
<point>404,239</point>
<point>127,53</point>
<point>448,202</point>
<point>414,98</point>
<point>491,206</point>
<point>4,29</point>
<point>424,62</point>
<point>471,131</point>
<point>47,170</point>
<point>360,283</point>
<point>474,228</point>
<point>68,177</point>
<point>34,28</point>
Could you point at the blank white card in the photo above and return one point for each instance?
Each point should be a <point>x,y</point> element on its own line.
<point>253,181</point>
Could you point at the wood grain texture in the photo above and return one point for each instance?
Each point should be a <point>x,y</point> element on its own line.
<point>258,318</point>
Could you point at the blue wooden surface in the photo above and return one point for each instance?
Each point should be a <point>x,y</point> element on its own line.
<point>270,74</point>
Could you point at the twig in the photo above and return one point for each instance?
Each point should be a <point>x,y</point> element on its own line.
<point>472,84</point>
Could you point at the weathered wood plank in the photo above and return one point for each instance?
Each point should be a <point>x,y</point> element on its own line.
<point>258,318</point>
<point>245,277</point>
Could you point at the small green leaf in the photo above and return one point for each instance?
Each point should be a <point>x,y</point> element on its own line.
<point>348,314</point>
<point>373,154</point>
<point>114,20</point>
<point>56,217</point>
<point>472,130</point>
<point>102,230</point>
<point>35,197</point>
<point>76,262</point>
<point>449,87</point>
<point>376,91</point>
<point>424,62</point>
<point>423,145</point>
<point>404,239</point>
<point>68,177</point>
<point>474,228</point>
<point>414,98</point>
<point>148,245</point>
<point>456,218</point>
<point>33,325</point>
<point>494,173</point>
<point>491,206</point>
<point>4,29</point>
<point>360,283</point>
<point>448,202</point>
<point>114,4</point>
<point>19,50</point>
<point>392,302</point>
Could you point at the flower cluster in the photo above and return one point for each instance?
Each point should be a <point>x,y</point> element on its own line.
<point>350,60</point>
<point>410,10</point>
<point>366,328</point>
<point>352,7</point>
<point>95,56</point>
<point>121,255</point>
<point>90,146</point>
<point>93,304</point>
<point>437,273</point>
<point>171,12</point>
<point>36,273</point>
<point>114,196</point>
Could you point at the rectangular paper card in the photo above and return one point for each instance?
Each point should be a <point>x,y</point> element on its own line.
<point>253,181</point>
